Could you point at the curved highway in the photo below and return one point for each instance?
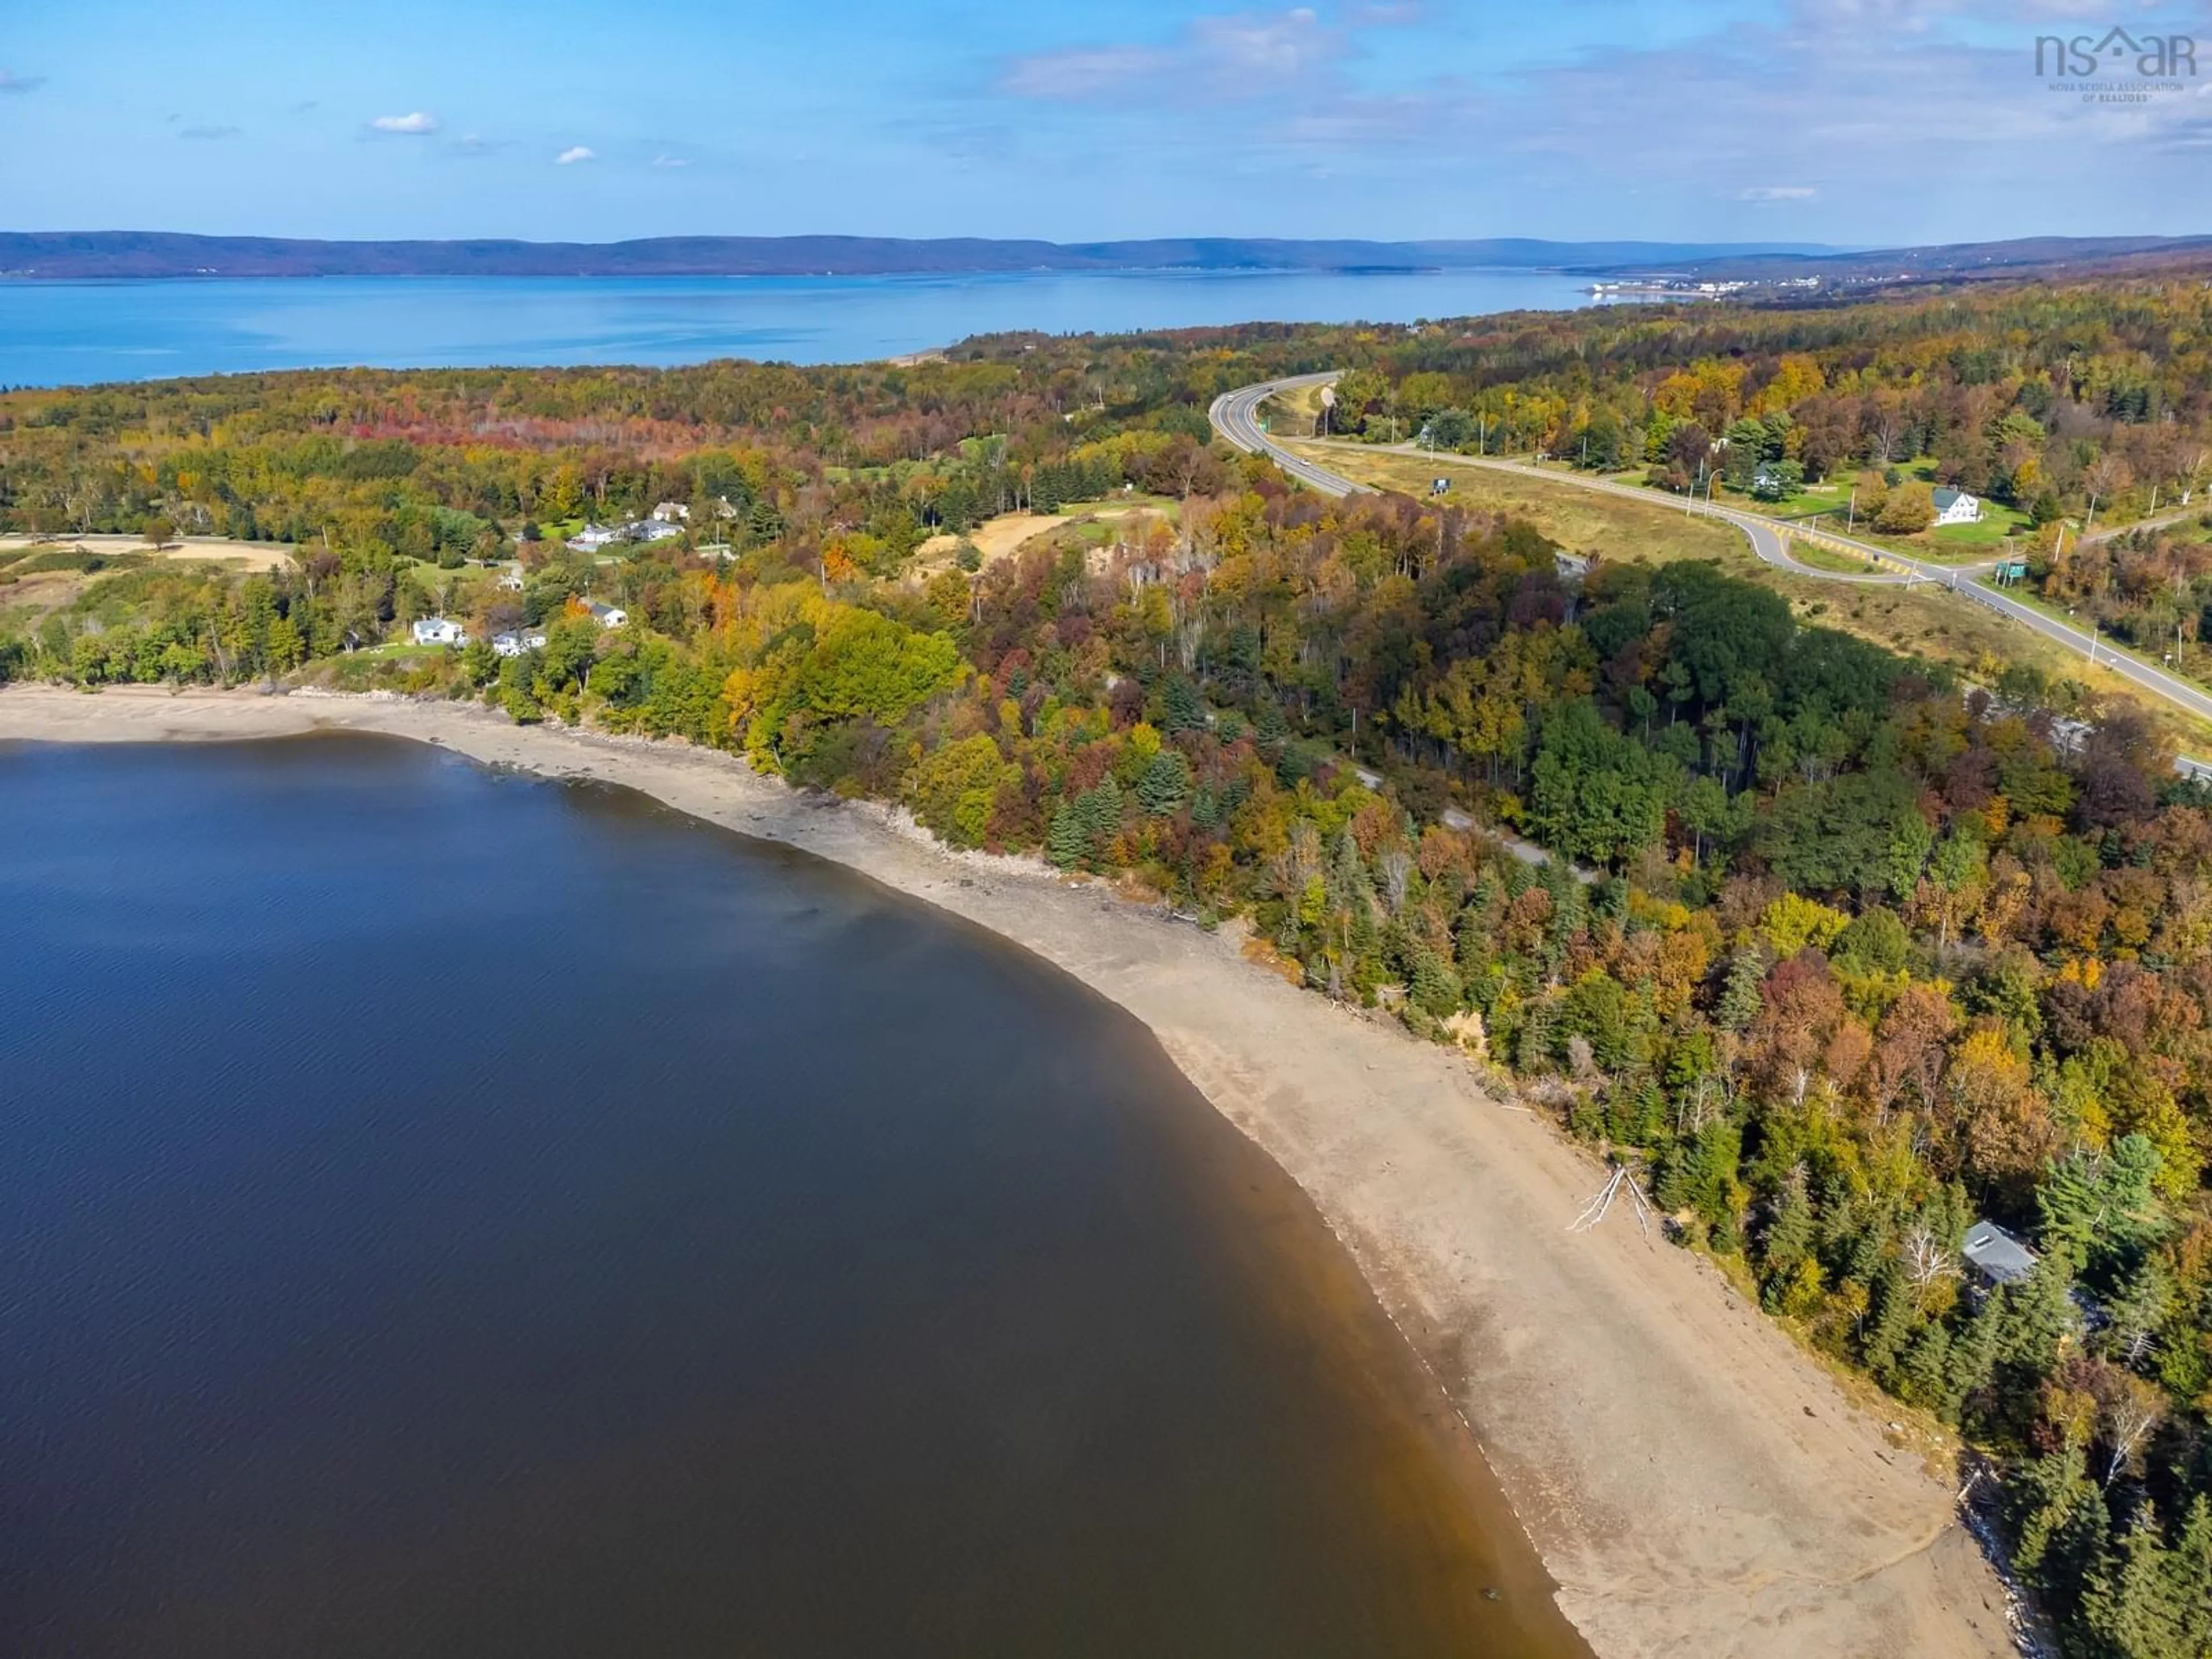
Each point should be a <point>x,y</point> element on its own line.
<point>1236,417</point>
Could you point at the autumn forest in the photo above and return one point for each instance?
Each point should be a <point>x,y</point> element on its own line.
<point>1838,952</point>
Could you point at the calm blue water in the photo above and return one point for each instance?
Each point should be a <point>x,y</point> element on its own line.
<point>73,333</point>
<point>444,1215</point>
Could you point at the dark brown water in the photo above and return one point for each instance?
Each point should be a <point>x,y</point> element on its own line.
<point>450,1215</point>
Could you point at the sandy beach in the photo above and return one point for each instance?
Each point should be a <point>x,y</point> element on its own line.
<point>1697,1486</point>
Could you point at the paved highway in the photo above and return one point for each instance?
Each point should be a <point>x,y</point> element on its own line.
<point>1236,417</point>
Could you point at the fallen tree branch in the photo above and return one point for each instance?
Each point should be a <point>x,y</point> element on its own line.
<point>1623,1180</point>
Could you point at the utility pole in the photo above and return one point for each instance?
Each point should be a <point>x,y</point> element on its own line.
<point>1851,512</point>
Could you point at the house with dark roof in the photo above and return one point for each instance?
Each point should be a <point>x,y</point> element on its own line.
<point>1957,507</point>
<point>1996,1254</point>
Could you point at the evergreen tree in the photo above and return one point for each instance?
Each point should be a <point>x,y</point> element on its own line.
<point>2062,1522</point>
<point>1739,1000</point>
<point>2137,1603</point>
<point>2189,1566</point>
<point>1923,1375</point>
<point>1973,1358</point>
<point>2137,1312</point>
<point>1636,1110</point>
<point>1350,887</point>
<point>1068,841</point>
<point>1182,708</point>
<point>1435,988</point>
<point>2097,1206</point>
<point>1539,1023</point>
<point>1269,725</point>
<point>1081,828</point>
<point>1896,1319</point>
<point>1165,784</point>
<point>1101,811</point>
<point>1790,1236</point>
<point>2039,1317</point>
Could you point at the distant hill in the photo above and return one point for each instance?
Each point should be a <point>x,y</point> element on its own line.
<point>115,254</point>
<point>2027,256</point>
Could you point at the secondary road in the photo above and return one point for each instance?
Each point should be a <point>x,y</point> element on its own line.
<point>2155,521</point>
<point>1236,417</point>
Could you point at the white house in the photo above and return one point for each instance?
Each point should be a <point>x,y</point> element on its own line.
<point>671,512</point>
<point>1957,507</point>
<point>516,641</point>
<point>510,579</point>
<point>652,529</point>
<point>439,630</point>
<point>607,615</point>
<point>593,537</point>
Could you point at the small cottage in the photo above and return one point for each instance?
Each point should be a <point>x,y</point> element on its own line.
<point>440,630</point>
<point>607,615</point>
<point>1996,1254</point>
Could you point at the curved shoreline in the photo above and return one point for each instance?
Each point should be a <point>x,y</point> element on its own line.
<point>1693,1482</point>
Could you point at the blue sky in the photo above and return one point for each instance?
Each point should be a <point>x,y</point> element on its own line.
<point>1862,121</point>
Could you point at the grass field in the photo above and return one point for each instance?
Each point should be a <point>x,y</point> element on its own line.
<point>1089,522</point>
<point>1827,558</point>
<point>1924,621</point>
<point>1579,520</point>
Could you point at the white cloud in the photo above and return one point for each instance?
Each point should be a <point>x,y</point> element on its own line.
<point>670,162</point>
<point>1078,73</point>
<point>1778,193</point>
<point>573,154</point>
<point>415,124</point>
<point>11,81</point>
<point>1243,55</point>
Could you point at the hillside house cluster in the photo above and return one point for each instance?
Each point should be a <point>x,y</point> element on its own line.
<point>593,537</point>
